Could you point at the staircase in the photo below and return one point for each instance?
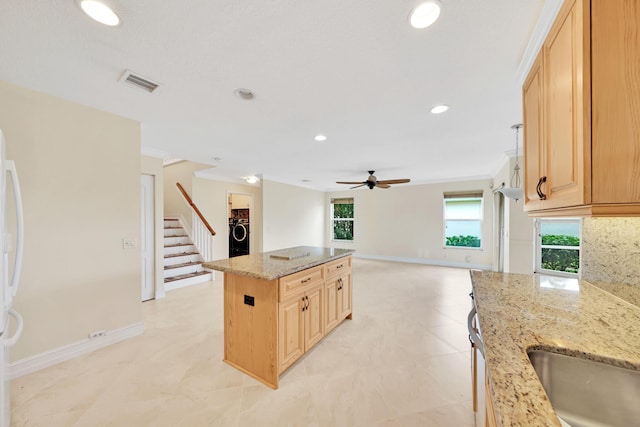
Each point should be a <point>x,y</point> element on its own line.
<point>182,261</point>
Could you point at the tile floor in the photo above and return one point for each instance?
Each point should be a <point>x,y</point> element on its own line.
<point>402,361</point>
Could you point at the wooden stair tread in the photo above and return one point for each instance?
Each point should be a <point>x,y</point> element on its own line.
<point>181,254</point>
<point>171,219</point>
<point>173,228</point>
<point>185,276</point>
<point>177,245</point>
<point>185,264</point>
<point>176,235</point>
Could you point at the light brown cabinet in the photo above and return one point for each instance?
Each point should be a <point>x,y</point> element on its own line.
<point>270,324</point>
<point>582,115</point>
<point>338,293</point>
<point>301,325</point>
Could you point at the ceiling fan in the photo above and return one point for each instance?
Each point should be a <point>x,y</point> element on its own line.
<point>372,181</point>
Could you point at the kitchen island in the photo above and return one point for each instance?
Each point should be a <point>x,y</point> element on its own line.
<point>279,304</point>
<point>519,313</point>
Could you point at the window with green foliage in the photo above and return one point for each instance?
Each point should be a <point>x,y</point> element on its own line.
<point>558,246</point>
<point>463,219</point>
<point>342,218</point>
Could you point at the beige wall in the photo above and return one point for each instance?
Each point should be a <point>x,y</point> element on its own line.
<point>211,197</point>
<point>293,216</point>
<point>80,178</point>
<point>153,166</point>
<point>174,203</point>
<point>406,223</point>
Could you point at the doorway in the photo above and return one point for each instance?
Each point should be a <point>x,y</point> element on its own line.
<point>147,244</point>
<point>239,214</point>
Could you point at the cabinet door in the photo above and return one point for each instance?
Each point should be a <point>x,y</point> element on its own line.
<point>290,331</point>
<point>331,305</point>
<point>314,317</point>
<point>344,296</point>
<point>615,59</point>
<point>532,133</point>
<point>567,113</point>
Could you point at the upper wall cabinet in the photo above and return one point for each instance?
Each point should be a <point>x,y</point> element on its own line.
<point>581,104</point>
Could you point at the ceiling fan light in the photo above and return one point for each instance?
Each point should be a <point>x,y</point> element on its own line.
<point>100,12</point>
<point>425,14</point>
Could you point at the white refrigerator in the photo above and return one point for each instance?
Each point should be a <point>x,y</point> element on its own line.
<point>11,242</point>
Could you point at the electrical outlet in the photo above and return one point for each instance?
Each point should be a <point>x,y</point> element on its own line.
<point>97,334</point>
<point>129,243</point>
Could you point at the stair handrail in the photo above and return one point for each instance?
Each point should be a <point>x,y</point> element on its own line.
<point>195,209</point>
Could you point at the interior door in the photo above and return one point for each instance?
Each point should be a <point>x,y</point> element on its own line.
<point>148,240</point>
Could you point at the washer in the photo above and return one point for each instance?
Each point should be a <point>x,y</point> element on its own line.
<point>238,237</point>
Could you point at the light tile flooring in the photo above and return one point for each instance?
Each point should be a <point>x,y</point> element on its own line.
<point>402,361</point>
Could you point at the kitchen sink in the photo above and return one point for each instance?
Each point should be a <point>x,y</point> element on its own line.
<point>585,393</point>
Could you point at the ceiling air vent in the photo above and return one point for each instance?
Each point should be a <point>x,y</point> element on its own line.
<point>138,81</point>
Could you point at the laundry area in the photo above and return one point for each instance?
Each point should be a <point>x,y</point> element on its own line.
<point>239,231</point>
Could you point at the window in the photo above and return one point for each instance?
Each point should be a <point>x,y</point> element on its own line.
<point>342,218</point>
<point>558,246</point>
<point>463,219</point>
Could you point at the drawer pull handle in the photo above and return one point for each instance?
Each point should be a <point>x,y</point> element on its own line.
<point>340,266</point>
<point>305,280</point>
<point>539,190</point>
<point>340,284</point>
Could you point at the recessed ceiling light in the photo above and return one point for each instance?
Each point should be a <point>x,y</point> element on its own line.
<point>320,138</point>
<point>100,12</point>
<point>252,179</point>
<point>306,180</point>
<point>246,94</point>
<point>439,109</point>
<point>425,14</point>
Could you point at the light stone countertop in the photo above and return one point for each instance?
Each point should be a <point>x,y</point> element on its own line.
<point>264,266</point>
<point>520,312</point>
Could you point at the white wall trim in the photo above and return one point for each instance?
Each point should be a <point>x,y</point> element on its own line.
<point>426,261</point>
<point>540,31</point>
<point>61,354</point>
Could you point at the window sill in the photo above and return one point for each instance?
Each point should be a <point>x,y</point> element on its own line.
<point>464,248</point>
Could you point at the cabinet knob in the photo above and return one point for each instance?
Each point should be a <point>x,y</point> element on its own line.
<point>538,189</point>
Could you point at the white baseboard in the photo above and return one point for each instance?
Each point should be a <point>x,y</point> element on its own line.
<point>52,357</point>
<point>438,262</point>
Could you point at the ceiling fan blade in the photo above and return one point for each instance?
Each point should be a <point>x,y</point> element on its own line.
<point>379,185</point>
<point>394,181</point>
<point>355,186</point>
<point>350,183</point>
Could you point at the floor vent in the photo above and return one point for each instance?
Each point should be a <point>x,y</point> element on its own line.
<point>138,81</point>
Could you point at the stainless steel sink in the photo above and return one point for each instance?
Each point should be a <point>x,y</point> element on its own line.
<point>585,393</point>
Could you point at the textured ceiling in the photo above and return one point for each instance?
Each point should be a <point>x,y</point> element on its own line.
<point>353,70</point>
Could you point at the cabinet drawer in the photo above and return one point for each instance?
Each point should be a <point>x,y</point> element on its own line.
<point>339,266</point>
<point>298,282</point>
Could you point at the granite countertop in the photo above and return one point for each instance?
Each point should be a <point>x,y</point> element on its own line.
<point>275,264</point>
<point>519,312</point>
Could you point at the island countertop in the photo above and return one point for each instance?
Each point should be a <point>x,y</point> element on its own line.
<point>518,312</point>
<point>275,264</point>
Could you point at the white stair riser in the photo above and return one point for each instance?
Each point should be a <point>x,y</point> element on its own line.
<point>187,282</point>
<point>172,224</point>
<point>182,259</point>
<point>180,249</point>
<point>172,272</point>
